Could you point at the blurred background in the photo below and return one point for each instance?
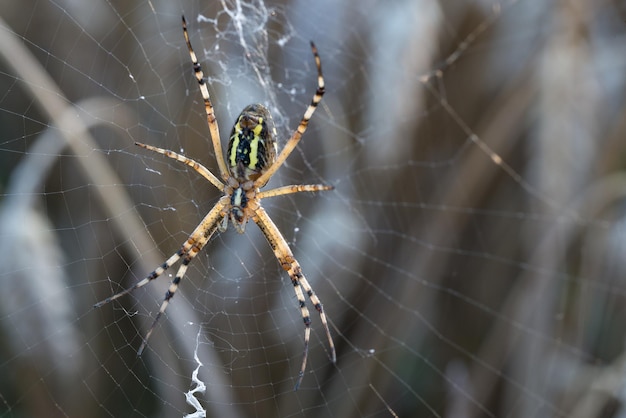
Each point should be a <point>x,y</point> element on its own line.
<point>470,258</point>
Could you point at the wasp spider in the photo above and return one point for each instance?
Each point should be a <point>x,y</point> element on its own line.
<point>251,160</point>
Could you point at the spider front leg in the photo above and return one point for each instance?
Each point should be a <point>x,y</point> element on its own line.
<point>169,294</point>
<point>188,251</point>
<point>290,264</point>
<point>155,274</point>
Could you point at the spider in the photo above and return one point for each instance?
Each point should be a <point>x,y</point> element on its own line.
<point>251,160</point>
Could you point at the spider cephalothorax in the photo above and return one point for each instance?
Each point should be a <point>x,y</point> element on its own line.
<point>250,161</point>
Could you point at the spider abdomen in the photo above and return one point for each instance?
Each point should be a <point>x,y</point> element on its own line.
<point>252,145</point>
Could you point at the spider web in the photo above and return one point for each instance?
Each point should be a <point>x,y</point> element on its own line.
<point>469,258</point>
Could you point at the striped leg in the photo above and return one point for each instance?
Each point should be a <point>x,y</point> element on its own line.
<point>296,188</point>
<point>169,294</point>
<point>290,264</point>
<point>188,251</point>
<point>208,107</point>
<point>199,168</point>
<point>295,137</point>
<point>194,244</point>
<point>156,273</point>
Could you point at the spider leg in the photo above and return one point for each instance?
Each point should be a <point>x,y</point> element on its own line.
<point>199,168</point>
<point>156,273</point>
<point>295,137</point>
<point>208,107</point>
<point>296,188</point>
<point>188,251</point>
<point>169,294</point>
<point>290,264</point>
<point>196,241</point>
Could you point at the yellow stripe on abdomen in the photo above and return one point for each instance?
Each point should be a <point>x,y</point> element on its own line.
<point>254,145</point>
